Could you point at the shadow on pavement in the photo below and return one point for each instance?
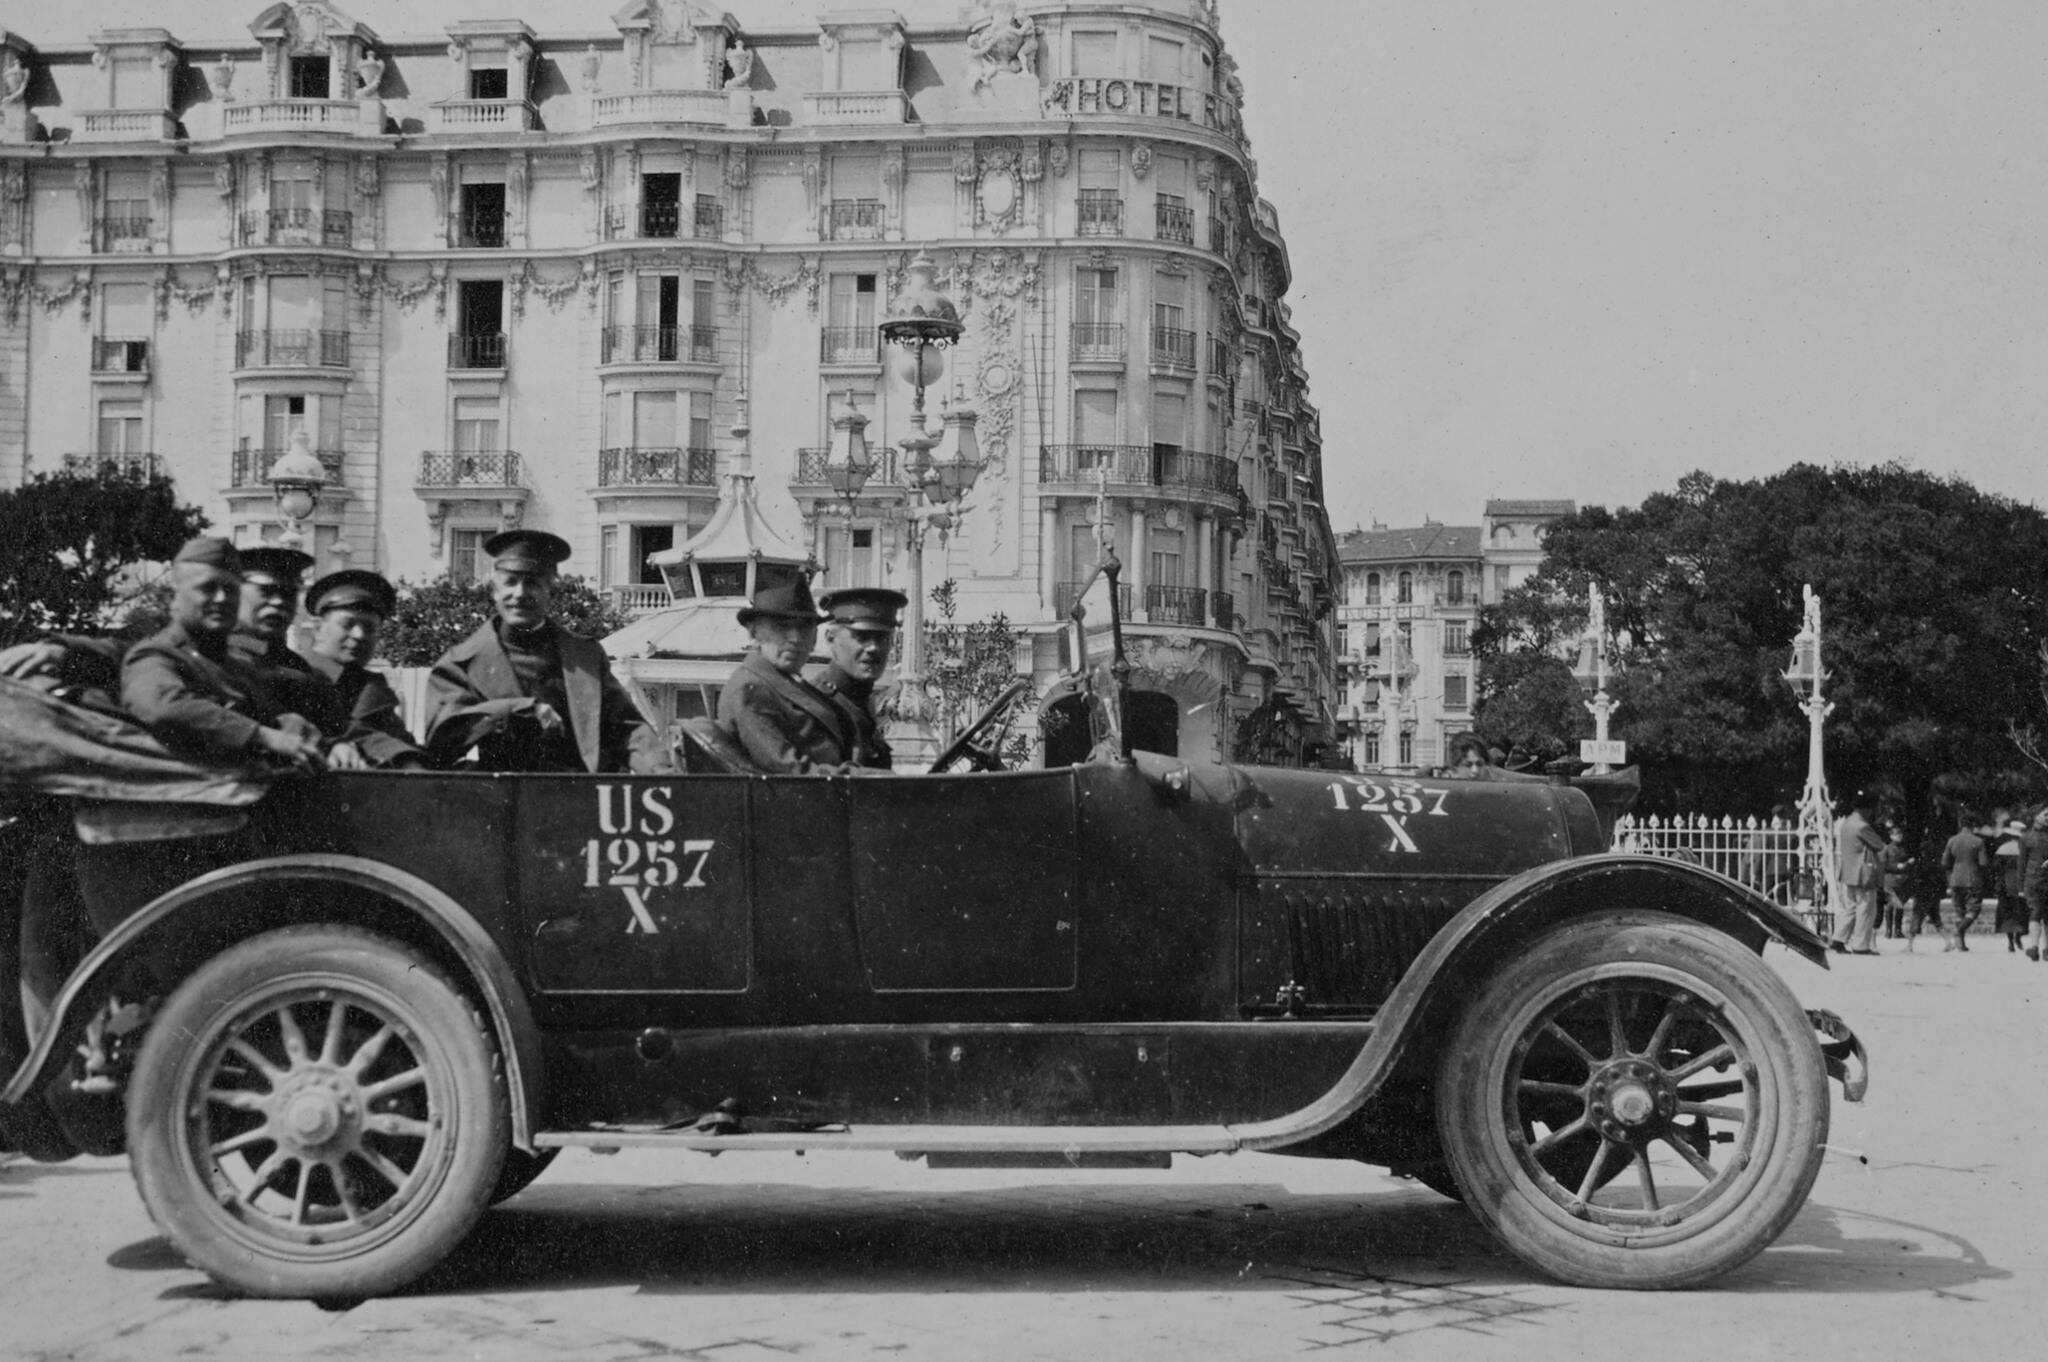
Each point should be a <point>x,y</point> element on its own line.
<point>1835,1249</point>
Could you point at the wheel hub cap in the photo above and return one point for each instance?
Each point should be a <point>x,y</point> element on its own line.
<point>1630,1099</point>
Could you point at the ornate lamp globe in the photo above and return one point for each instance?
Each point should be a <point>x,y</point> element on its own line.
<point>924,317</point>
<point>296,478</point>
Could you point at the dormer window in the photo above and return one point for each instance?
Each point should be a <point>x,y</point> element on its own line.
<point>489,82</point>
<point>311,77</point>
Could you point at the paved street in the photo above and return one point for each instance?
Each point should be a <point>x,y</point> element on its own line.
<point>1927,1236</point>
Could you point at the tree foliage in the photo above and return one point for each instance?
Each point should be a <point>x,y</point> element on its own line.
<point>967,665</point>
<point>69,540</point>
<point>1934,603</point>
<point>435,615</point>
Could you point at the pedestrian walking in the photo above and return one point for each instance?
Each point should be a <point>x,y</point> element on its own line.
<point>1963,859</point>
<point>2006,880</point>
<point>1892,864</point>
<point>1857,847</point>
<point>2034,884</point>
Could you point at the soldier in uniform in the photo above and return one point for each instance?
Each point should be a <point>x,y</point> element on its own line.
<point>183,685</point>
<point>860,629</point>
<point>528,694</point>
<point>272,578</point>
<point>351,607</point>
<point>786,725</point>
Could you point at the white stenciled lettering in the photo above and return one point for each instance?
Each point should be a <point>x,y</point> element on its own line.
<point>1407,796</point>
<point>1436,810</point>
<point>605,821</point>
<point>701,849</point>
<point>661,864</point>
<point>623,854</point>
<point>1398,825</point>
<point>642,920</point>
<point>657,818</point>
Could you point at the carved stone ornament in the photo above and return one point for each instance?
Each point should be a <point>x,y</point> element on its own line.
<point>736,167</point>
<point>1003,42</point>
<point>592,63</point>
<point>587,169</point>
<point>828,42</point>
<point>368,180</point>
<point>222,77</point>
<point>1141,160</point>
<point>1060,158</point>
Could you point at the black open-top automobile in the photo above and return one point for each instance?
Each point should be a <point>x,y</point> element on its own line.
<point>353,1012</point>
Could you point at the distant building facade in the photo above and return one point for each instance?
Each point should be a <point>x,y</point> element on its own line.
<point>537,270</point>
<point>1411,598</point>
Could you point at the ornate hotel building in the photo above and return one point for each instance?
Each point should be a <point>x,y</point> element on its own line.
<point>571,270</point>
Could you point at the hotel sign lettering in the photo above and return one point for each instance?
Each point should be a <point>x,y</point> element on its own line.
<point>1092,96</point>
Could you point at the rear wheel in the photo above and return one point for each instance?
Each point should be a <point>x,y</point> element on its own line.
<point>1637,1101</point>
<point>317,1112</point>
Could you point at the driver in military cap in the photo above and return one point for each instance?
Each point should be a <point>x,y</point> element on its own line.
<point>786,725</point>
<point>528,694</point>
<point>860,631</point>
<point>272,578</point>
<point>350,608</point>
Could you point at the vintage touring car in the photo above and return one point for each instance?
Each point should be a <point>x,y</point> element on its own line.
<point>350,1014</point>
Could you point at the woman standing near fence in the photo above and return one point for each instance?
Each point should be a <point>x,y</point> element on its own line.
<point>1893,863</point>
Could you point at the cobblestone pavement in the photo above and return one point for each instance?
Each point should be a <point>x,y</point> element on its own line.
<point>1927,1236</point>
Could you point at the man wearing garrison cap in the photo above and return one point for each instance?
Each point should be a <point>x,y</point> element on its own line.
<point>786,725</point>
<point>349,608</point>
<point>528,694</point>
<point>185,687</point>
<point>860,629</point>
<point>271,580</point>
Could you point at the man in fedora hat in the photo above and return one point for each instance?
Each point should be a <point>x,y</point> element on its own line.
<point>183,684</point>
<point>272,580</point>
<point>350,608</point>
<point>786,725</point>
<point>860,629</point>
<point>528,694</point>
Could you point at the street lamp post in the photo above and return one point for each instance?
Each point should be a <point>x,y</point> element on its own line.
<point>295,482</point>
<point>923,326</point>
<point>1592,675</point>
<point>1817,852</point>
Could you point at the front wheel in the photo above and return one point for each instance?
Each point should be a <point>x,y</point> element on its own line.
<point>1637,1101</point>
<point>317,1112</point>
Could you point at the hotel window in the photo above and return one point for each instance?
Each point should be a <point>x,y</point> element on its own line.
<point>1163,60</point>
<point>1096,312</point>
<point>1094,53</point>
<point>700,421</point>
<point>309,78</point>
<point>1169,435</point>
<point>1372,588</point>
<point>1371,647</point>
<point>849,556</point>
<point>1165,548</point>
<point>1404,589</point>
<point>1455,641</point>
<point>489,82</point>
<point>466,560</point>
<point>1407,747</point>
<point>855,212</point>
<point>478,426</point>
<point>1454,589</point>
<point>850,320</point>
<point>1099,193</point>
<point>124,211</point>
<point>607,555</point>
<point>642,541</point>
<point>1372,746</point>
<point>1454,692</point>
<point>120,428</point>
<point>1500,580</point>
<point>137,84</point>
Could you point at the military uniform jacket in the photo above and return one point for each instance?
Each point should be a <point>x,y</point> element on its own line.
<point>375,725</point>
<point>868,747</point>
<point>474,697</point>
<point>201,707</point>
<point>787,726</point>
<point>299,689</point>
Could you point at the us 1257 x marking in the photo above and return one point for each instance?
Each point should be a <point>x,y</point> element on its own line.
<point>635,865</point>
<point>1394,802</point>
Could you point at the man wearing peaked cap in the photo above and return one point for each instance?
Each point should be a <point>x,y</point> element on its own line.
<point>349,608</point>
<point>526,693</point>
<point>786,725</point>
<point>860,631</point>
<point>272,577</point>
<point>185,687</point>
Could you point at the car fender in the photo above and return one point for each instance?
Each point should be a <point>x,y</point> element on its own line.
<point>1493,925</point>
<point>487,970</point>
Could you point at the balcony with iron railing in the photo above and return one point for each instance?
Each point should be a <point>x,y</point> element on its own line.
<point>291,349</point>
<point>128,463</point>
<point>850,345</point>
<point>658,345</point>
<point>298,227</point>
<point>659,106</point>
<point>1138,465</point>
<point>1173,348</point>
<point>1098,342</point>
<point>453,469</point>
<point>479,350</point>
<point>854,220</point>
<point>1184,605</point>
<point>123,233</point>
<point>114,356</point>
<point>1100,212</point>
<point>301,115</point>
<point>642,466</point>
<point>480,229</point>
<point>813,470</point>
<point>250,468</point>
<point>1065,594</point>
<point>1173,220</point>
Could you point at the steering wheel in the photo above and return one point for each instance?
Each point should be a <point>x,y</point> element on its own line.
<point>969,744</point>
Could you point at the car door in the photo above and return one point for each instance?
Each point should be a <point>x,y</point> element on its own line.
<point>965,883</point>
<point>636,884</point>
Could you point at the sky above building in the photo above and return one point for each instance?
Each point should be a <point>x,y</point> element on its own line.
<point>1581,249</point>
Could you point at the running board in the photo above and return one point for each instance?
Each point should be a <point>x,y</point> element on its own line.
<point>1068,1145</point>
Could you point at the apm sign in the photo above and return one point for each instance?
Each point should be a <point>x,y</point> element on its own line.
<point>1090,96</point>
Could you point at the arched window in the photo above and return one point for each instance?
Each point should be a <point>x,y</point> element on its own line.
<point>1404,589</point>
<point>1372,588</point>
<point>1454,589</point>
